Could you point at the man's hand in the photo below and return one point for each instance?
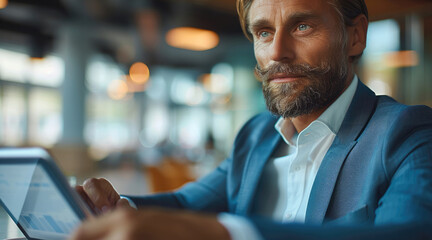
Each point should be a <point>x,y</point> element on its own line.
<point>124,223</point>
<point>100,195</point>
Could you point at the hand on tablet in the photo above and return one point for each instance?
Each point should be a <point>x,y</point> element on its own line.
<point>100,195</point>
<point>151,224</point>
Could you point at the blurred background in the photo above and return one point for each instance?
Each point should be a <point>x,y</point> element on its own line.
<point>150,93</point>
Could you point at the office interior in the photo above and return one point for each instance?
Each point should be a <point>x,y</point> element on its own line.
<point>151,93</point>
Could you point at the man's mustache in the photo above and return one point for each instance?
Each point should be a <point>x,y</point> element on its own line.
<point>264,74</point>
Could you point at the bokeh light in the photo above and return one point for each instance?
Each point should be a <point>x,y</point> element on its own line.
<point>139,73</point>
<point>117,89</point>
<point>3,4</point>
<point>401,59</point>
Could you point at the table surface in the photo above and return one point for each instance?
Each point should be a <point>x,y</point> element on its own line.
<point>8,228</point>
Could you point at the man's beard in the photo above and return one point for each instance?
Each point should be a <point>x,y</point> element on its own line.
<point>316,90</point>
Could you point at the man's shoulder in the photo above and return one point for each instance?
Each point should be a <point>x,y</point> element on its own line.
<point>397,121</point>
<point>387,119</point>
<point>388,107</point>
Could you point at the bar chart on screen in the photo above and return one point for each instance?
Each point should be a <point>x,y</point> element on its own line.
<point>48,223</point>
<point>35,203</point>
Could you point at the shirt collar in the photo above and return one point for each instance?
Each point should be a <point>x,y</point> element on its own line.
<point>286,130</point>
<point>332,117</point>
<point>335,114</point>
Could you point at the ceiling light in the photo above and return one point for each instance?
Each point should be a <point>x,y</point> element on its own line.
<point>3,3</point>
<point>192,38</point>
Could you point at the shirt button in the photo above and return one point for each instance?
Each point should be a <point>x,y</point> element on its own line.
<point>288,215</point>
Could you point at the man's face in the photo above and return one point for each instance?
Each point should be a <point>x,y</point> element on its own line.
<point>300,49</point>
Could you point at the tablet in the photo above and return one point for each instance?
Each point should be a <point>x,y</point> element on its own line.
<point>37,196</point>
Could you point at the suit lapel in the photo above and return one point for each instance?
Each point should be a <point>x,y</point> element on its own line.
<point>359,113</point>
<point>325,181</point>
<point>253,171</point>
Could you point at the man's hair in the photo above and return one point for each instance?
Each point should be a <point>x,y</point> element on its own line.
<point>347,9</point>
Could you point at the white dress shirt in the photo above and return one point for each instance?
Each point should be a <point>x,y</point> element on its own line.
<point>283,193</point>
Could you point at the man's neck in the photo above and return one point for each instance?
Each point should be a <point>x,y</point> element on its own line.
<point>303,121</point>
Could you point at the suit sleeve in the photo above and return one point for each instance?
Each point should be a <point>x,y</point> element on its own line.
<point>207,194</point>
<point>407,160</point>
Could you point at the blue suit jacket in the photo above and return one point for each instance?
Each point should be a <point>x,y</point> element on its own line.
<point>378,171</point>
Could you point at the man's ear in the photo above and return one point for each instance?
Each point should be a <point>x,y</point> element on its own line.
<point>357,34</point>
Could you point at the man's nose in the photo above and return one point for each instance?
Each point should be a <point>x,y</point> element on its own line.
<point>282,48</point>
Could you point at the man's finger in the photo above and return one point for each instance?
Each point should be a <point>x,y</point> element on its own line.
<point>101,193</point>
<point>82,193</point>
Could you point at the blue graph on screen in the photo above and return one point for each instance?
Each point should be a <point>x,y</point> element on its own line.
<point>47,223</point>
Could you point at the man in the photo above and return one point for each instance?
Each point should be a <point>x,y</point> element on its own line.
<point>339,163</point>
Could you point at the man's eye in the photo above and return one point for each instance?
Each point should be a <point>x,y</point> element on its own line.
<point>264,34</point>
<point>303,27</point>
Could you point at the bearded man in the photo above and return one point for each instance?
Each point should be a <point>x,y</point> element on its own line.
<point>331,161</point>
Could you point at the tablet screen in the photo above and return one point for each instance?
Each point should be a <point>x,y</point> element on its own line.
<point>32,199</point>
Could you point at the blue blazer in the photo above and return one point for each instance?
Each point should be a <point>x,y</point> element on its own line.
<point>378,172</point>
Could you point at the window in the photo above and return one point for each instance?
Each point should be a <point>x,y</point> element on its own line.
<point>382,44</point>
<point>30,104</point>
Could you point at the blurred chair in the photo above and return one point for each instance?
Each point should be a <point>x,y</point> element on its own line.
<point>169,175</point>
